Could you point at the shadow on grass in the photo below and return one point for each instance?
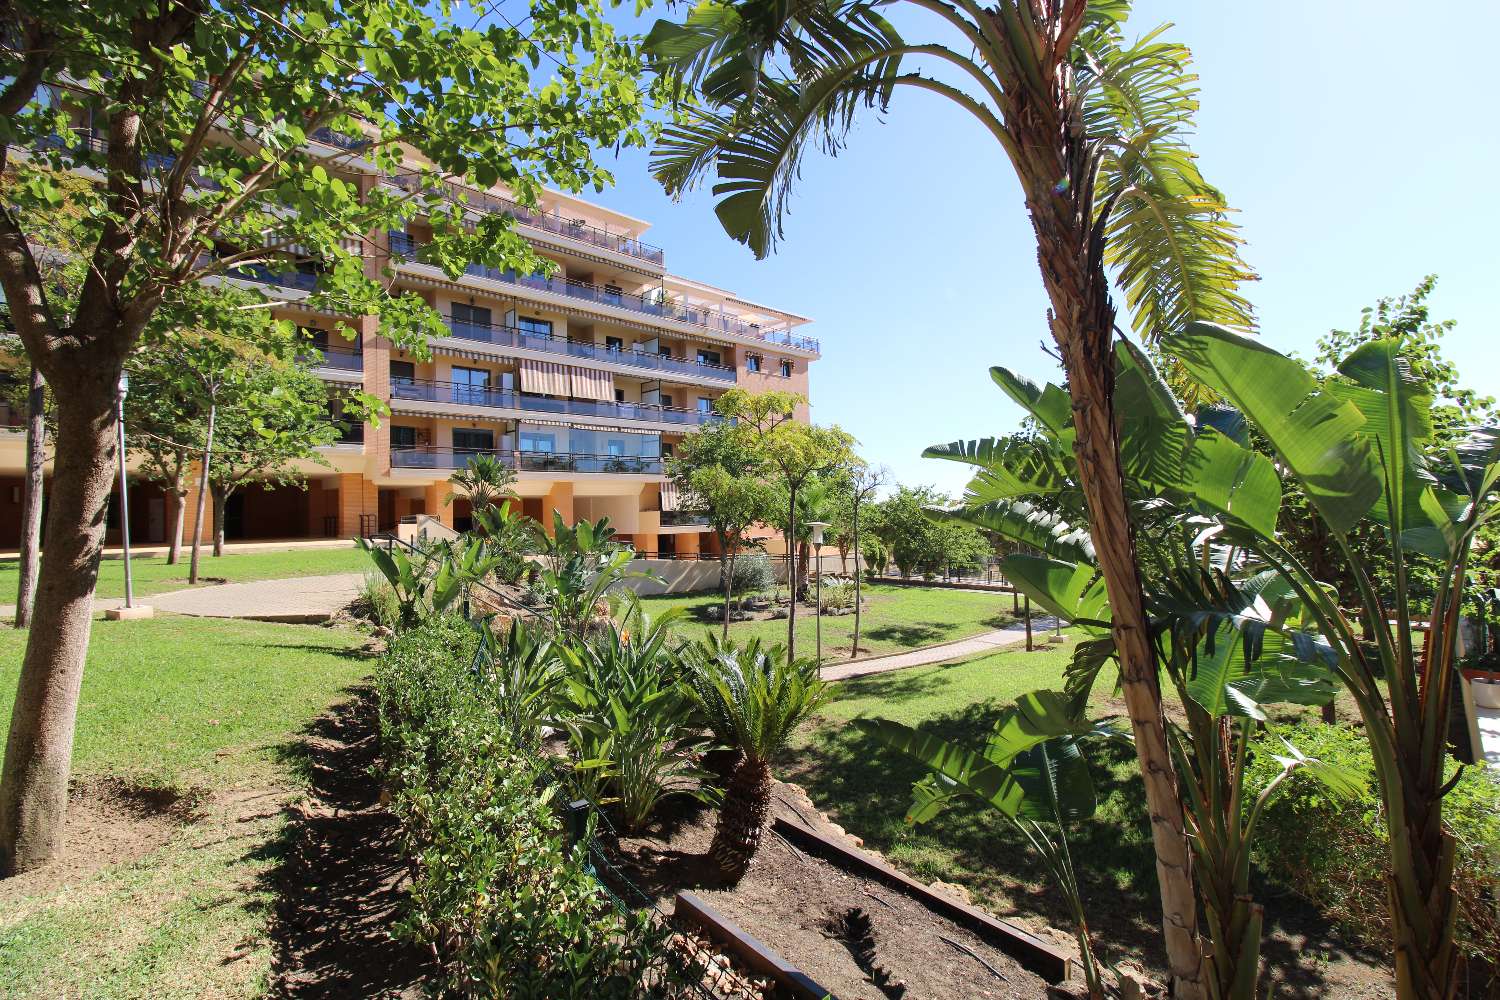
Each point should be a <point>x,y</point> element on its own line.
<point>337,878</point>
<point>867,787</point>
<point>909,636</point>
<point>342,652</point>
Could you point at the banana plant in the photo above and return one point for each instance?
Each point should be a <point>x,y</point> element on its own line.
<point>430,583</point>
<point>1360,445</point>
<point>524,671</point>
<point>1032,771</point>
<point>582,569</point>
<point>1229,635</point>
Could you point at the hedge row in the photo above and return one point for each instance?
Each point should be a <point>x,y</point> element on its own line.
<point>497,895</point>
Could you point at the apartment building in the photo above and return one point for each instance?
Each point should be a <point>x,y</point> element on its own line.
<point>582,380</point>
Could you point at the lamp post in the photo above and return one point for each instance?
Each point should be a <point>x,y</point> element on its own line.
<point>131,609</point>
<point>817,528</point>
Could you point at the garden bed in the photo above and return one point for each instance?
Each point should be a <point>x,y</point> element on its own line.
<point>798,905</point>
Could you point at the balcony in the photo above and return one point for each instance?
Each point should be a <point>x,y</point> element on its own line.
<point>405,247</point>
<point>506,336</point>
<point>341,358</point>
<point>527,461</point>
<point>287,279</point>
<point>683,519</point>
<point>445,458</point>
<point>483,201</point>
<point>431,391</point>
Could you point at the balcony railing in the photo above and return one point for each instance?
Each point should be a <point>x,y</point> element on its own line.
<point>263,273</point>
<point>682,519</point>
<point>507,336</point>
<point>432,391</point>
<point>342,358</point>
<point>527,461</point>
<point>483,201</point>
<point>445,458</point>
<point>404,246</point>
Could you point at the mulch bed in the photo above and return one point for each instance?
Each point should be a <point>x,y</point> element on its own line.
<point>801,907</point>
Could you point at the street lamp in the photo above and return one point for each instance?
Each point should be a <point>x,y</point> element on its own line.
<point>131,609</point>
<point>816,527</point>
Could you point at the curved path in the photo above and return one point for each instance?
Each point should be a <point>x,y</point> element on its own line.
<point>985,642</point>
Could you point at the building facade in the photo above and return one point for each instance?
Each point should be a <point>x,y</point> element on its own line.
<point>582,381</point>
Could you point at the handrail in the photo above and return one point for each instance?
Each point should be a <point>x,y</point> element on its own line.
<point>438,391</point>
<point>510,336</point>
<point>404,246</point>
<point>576,229</point>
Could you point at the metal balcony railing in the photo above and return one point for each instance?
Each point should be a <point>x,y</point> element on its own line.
<point>507,336</point>
<point>682,519</point>
<point>343,358</point>
<point>263,273</point>
<point>527,461</point>
<point>404,246</point>
<point>576,229</point>
<point>433,391</point>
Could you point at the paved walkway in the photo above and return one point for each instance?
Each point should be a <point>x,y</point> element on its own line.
<point>985,642</point>
<point>297,599</point>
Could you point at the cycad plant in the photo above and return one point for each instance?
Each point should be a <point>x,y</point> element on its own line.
<point>752,697</point>
<point>483,481</point>
<point>1095,129</point>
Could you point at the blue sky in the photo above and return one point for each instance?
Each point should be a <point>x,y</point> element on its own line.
<point>1352,137</point>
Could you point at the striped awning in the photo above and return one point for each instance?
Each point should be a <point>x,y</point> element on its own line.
<point>545,377</point>
<point>670,498</point>
<point>591,383</point>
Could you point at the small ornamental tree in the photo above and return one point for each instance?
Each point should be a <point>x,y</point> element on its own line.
<point>197,120</point>
<point>719,471</point>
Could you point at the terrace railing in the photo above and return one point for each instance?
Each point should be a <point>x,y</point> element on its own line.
<point>508,336</point>
<point>434,391</point>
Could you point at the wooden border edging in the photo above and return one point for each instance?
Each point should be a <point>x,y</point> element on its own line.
<point>747,948</point>
<point>1034,954</point>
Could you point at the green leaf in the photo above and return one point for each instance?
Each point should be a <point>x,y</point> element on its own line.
<point>1316,434</point>
<point>1072,591</point>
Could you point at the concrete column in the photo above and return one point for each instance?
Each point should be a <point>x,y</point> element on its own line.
<point>357,496</point>
<point>559,498</point>
<point>433,497</point>
<point>377,382</point>
<point>688,543</point>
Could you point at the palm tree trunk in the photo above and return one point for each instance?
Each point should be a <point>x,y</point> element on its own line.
<point>1056,170</point>
<point>742,819</point>
<point>31,507</point>
<point>39,751</point>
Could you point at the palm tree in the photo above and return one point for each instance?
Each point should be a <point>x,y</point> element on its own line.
<point>751,697</point>
<point>484,482</point>
<point>1095,129</point>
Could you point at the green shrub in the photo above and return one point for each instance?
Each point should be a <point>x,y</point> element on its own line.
<point>377,602</point>
<point>1333,852</point>
<point>838,593</point>
<point>510,911</point>
<point>753,574</point>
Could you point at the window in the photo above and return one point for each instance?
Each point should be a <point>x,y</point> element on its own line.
<point>469,439</point>
<point>613,293</point>
<point>403,437</point>
<point>317,338</point>
<point>619,395</point>
<point>537,441</point>
<point>403,372</point>
<point>666,449</point>
<point>470,385</point>
<point>708,357</point>
<point>705,405</point>
<point>664,350</point>
<point>666,399</point>
<point>467,318</point>
<point>534,327</point>
<point>786,369</point>
<point>616,447</point>
<point>752,362</point>
<point>614,344</point>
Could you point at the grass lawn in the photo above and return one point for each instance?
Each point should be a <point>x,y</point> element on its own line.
<point>202,705</point>
<point>152,575</point>
<point>895,618</point>
<point>867,788</point>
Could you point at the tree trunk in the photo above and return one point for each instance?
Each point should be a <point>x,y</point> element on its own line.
<point>221,501</point>
<point>854,650</point>
<point>791,576</point>
<point>728,557</point>
<point>39,752</point>
<point>1056,168</point>
<point>208,451</point>
<point>179,507</point>
<point>31,507</point>
<point>742,819</point>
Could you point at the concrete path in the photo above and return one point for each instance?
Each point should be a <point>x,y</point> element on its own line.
<point>298,599</point>
<point>985,642</point>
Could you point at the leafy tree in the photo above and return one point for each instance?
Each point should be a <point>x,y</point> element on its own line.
<point>164,427</point>
<point>1096,129</point>
<point>920,544</point>
<point>719,470</point>
<point>196,118</point>
<point>794,453</point>
<point>863,485</point>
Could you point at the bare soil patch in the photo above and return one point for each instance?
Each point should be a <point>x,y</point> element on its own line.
<point>110,821</point>
<point>340,881</point>
<point>800,906</point>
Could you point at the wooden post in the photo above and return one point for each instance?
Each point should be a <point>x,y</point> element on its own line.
<point>1028,624</point>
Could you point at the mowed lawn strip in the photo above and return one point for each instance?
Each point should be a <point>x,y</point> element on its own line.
<point>208,706</point>
<point>896,618</point>
<point>152,574</point>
